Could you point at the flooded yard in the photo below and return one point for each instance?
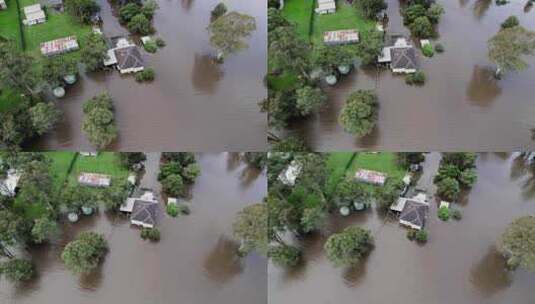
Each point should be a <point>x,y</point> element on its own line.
<point>194,262</point>
<point>193,104</point>
<point>459,263</point>
<point>461,106</point>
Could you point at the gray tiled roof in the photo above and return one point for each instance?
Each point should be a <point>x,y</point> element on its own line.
<point>145,211</point>
<point>414,212</point>
<point>403,58</point>
<point>128,58</point>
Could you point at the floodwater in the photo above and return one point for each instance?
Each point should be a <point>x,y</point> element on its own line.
<point>194,262</point>
<point>193,104</point>
<point>461,106</point>
<point>459,264</point>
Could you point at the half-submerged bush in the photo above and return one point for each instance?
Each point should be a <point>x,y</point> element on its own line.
<point>417,78</point>
<point>152,234</point>
<point>150,46</point>
<point>17,270</point>
<point>286,256</point>
<point>428,50</point>
<point>444,213</point>
<point>456,214</point>
<point>421,236</point>
<point>439,48</point>
<point>145,75</point>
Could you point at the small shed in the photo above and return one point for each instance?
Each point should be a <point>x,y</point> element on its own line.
<point>3,4</point>
<point>326,7</point>
<point>94,180</point>
<point>370,177</point>
<point>341,37</point>
<point>59,46</point>
<point>34,14</point>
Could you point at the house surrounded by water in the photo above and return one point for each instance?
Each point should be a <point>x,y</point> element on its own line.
<point>412,211</point>
<point>143,210</point>
<point>125,56</point>
<point>400,55</point>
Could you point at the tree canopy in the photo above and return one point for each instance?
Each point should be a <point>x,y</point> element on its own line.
<point>84,253</point>
<point>517,243</point>
<point>509,46</point>
<point>227,33</point>
<point>348,247</point>
<point>359,115</point>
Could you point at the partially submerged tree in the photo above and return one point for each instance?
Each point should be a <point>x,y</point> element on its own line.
<point>508,47</point>
<point>309,99</point>
<point>219,10</point>
<point>370,8</point>
<point>17,270</point>
<point>348,247</point>
<point>227,33</point>
<point>99,121</point>
<point>44,117</point>
<point>251,229</point>
<point>93,52</point>
<point>84,253</point>
<point>359,115</point>
<point>517,243</point>
<point>82,10</point>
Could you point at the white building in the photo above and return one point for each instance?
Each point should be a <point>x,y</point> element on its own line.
<point>326,7</point>
<point>3,4</point>
<point>34,14</point>
<point>59,46</point>
<point>291,173</point>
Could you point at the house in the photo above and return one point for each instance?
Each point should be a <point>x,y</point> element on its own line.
<point>414,214</point>
<point>143,209</point>
<point>8,186</point>
<point>401,56</point>
<point>125,56</point>
<point>341,37</point>
<point>34,14</point>
<point>94,180</point>
<point>3,4</point>
<point>59,46</point>
<point>370,177</point>
<point>326,7</point>
<point>291,173</point>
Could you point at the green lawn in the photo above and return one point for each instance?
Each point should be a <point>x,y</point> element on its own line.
<point>336,164</point>
<point>300,12</point>
<point>346,17</point>
<point>57,25</point>
<point>8,100</point>
<point>283,82</point>
<point>9,22</point>
<point>104,163</point>
<point>61,161</point>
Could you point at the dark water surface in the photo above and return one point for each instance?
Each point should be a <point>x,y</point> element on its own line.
<point>459,264</point>
<point>461,106</point>
<point>193,263</point>
<point>193,104</point>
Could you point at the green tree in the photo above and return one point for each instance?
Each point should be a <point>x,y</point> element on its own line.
<point>82,10</point>
<point>330,57</point>
<point>55,68</point>
<point>148,8</point>
<point>43,230</point>
<point>516,243</point>
<point>406,159</point>
<point>84,253</point>
<point>99,121</point>
<point>114,196</point>
<point>139,24</point>
<point>388,194</point>
<point>173,185</point>
<point>128,11</point>
<point>448,189</point>
<point>412,12</point>
<point>422,27</point>
<point>359,115</point>
<point>130,159</point>
<point>348,247</point>
<point>256,159</point>
<point>44,117</point>
<point>227,33</point>
<point>93,52</point>
<point>510,22</point>
<point>17,69</point>
<point>289,144</point>
<point>370,47</point>
<point>370,8</point>
<point>288,52</point>
<point>251,228</point>
<point>508,47</point>
<point>190,173</point>
<point>435,12</point>
<point>276,19</point>
<point>309,99</point>
<point>17,270</point>
<point>284,255</point>
<point>219,10</point>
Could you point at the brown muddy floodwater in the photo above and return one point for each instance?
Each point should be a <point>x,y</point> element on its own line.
<point>193,104</point>
<point>459,264</point>
<point>194,262</point>
<point>461,106</point>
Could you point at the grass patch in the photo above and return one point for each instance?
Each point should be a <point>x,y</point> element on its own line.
<point>300,12</point>
<point>283,82</point>
<point>9,22</point>
<point>383,162</point>
<point>346,17</point>
<point>336,164</point>
<point>61,161</point>
<point>105,163</point>
<point>9,100</point>
<point>57,25</point>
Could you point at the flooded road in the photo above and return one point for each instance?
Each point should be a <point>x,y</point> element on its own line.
<point>194,262</point>
<point>193,104</point>
<point>459,264</point>
<point>461,106</point>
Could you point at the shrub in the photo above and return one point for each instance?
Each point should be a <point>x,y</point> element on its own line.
<point>84,253</point>
<point>411,234</point>
<point>150,46</point>
<point>190,173</point>
<point>145,75</point>
<point>219,10</point>
<point>160,42</point>
<point>17,270</point>
<point>139,24</point>
<point>152,234</point>
<point>285,256</point>
<point>173,185</point>
<point>421,236</point>
<point>172,210</point>
<point>428,50</point>
<point>510,22</point>
<point>422,27</point>
<point>417,78</point>
<point>456,214</point>
<point>439,48</point>
<point>183,210</point>
<point>448,188</point>
<point>444,213</point>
